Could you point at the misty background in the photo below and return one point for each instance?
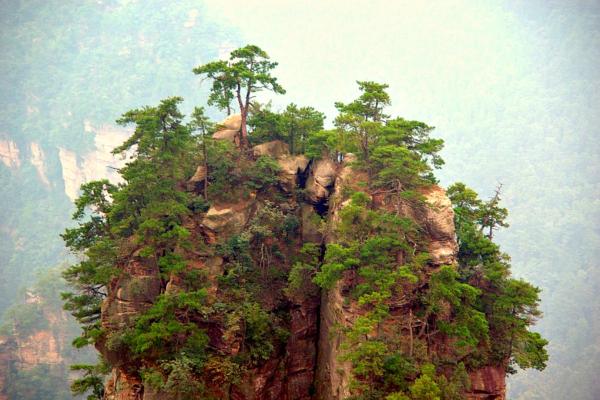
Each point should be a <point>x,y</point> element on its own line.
<point>512,87</point>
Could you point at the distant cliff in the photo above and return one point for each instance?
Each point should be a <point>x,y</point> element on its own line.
<point>35,344</point>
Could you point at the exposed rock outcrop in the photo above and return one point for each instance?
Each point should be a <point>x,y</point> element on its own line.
<point>38,160</point>
<point>291,165</point>
<point>229,129</point>
<point>438,221</point>
<point>320,180</point>
<point>99,163</point>
<point>231,135</point>
<point>308,365</point>
<point>275,149</point>
<point>10,154</point>
<point>229,219</point>
<point>487,383</point>
<point>233,121</point>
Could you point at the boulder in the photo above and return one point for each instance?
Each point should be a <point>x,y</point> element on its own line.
<point>199,175</point>
<point>227,134</point>
<point>233,122</point>
<point>321,180</point>
<point>438,220</point>
<point>196,182</point>
<point>291,166</point>
<point>275,149</point>
<point>228,220</point>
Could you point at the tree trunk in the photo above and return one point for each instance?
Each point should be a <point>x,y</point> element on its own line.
<point>244,130</point>
<point>410,327</point>
<point>244,115</point>
<point>205,168</point>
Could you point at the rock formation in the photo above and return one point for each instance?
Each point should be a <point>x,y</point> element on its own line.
<point>38,353</point>
<point>308,365</point>
<point>9,154</point>
<point>98,163</point>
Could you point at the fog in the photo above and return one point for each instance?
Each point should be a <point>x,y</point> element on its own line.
<point>512,87</point>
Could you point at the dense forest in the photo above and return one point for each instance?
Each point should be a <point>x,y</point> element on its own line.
<point>525,118</point>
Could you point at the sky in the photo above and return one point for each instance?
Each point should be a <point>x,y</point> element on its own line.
<point>421,49</point>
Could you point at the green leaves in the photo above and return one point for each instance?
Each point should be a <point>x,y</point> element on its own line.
<point>337,259</point>
<point>263,174</point>
<point>166,328</point>
<point>425,387</point>
<point>247,71</point>
<point>510,305</point>
<point>468,324</point>
<point>294,125</point>
<point>92,381</point>
<point>530,351</point>
<point>370,104</point>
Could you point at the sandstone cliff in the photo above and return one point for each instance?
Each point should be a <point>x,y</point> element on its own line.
<point>35,348</point>
<point>307,365</point>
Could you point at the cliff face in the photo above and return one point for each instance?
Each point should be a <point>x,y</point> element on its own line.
<point>34,359</point>
<point>308,364</point>
<point>7,360</point>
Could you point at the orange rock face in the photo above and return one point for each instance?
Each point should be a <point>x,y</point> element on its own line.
<point>39,348</point>
<point>487,383</point>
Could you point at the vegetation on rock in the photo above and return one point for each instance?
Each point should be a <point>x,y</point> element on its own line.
<point>219,265</point>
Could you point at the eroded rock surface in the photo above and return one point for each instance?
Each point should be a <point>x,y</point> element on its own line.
<point>320,180</point>
<point>438,220</point>
<point>291,165</point>
<point>487,383</point>
<point>308,366</point>
<point>229,129</point>
<point>233,121</point>
<point>229,219</point>
<point>231,135</point>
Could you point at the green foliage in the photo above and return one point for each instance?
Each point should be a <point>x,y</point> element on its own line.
<point>303,270</point>
<point>370,104</point>
<point>397,154</point>
<point>510,305</point>
<point>247,71</point>
<point>295,125</point>
<point>263,174</point>
<point>425,387</point>
<point>469,325</point>
<point>177,377</point>
<point>168,327</point>
<point>299,123</point>
<point>265,124</point>
<point>474,308</point>
<point>248,67</point>
<point>92,381</point>
<point>325,143</point>
<point>257,333</point>
<point>398,369</point>
<point>222,174</point>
